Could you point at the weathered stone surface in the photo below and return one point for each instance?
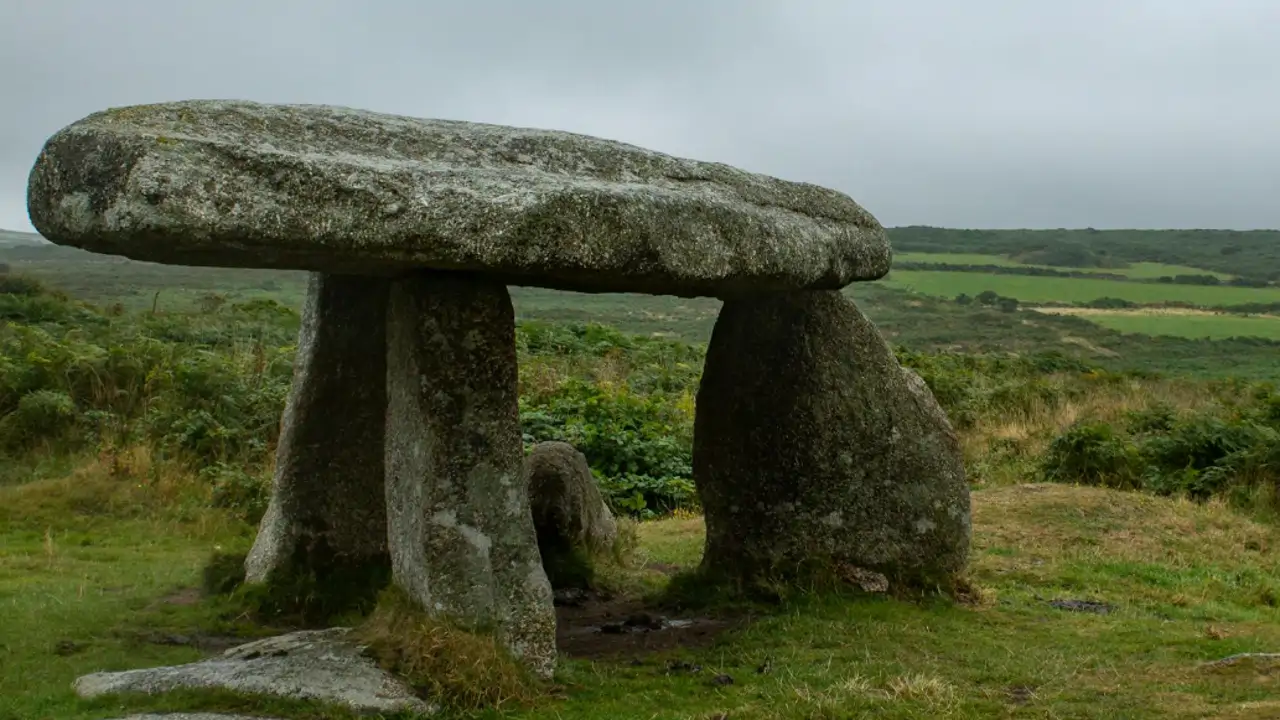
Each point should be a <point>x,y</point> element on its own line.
<point>813,445</point>
<point>572,521</point>
<point>243,184</point>
<point>322,665</point>
<point>461,535</point>
<point>328,511</point>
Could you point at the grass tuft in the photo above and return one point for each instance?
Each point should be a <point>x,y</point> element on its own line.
<point>442,662</point>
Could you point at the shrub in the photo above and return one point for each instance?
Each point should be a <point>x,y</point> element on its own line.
<point>12,284</point>
<point>40,415</point>
<point>1157,418</point>
<point>1199,442</point>
<point>239,490</point>
<point>1228,450</point>
<point>207,390</point>
<point>639,446</point>
<point>1092,453</point>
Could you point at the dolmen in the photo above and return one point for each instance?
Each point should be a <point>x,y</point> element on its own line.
<point>401,444</point>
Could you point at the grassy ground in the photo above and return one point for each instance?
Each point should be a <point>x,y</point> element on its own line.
<point>96,574</point>
<point>1137,270</point>
<point>100,558</point>
<point>1054,289</point>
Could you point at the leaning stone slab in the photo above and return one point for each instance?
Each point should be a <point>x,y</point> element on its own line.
<point>328,510</point>
<point>813,446</point>
<point>320,665</point>
<point>460,529</point>
<point>241,184</point>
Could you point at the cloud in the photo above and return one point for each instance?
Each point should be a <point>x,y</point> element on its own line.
<point>988,113</point>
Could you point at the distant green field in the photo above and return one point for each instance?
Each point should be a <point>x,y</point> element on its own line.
<point>1031,289</point>
<point>919,322</point>
<point>1139,270</point>
<point>1208,327</point>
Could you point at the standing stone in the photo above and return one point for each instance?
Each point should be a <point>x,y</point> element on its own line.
<point>815,451</point>
<point>573,522</point>
<point>461,534</point>
<point>328,513</point>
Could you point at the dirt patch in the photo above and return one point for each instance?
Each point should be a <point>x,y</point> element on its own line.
<point>617,628</point>
<point>588,626</point>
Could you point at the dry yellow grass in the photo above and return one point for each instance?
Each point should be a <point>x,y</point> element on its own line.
<point>120,483</point>
<point>1063,521</point>
<point>1028,432</point>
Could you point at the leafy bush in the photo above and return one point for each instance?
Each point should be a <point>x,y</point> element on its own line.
<point>639,445</point>
<point>969,387</point>
<point>1092,454</point>
<point>1231,451</point>
<point>239,490</point>
<point>39,415</point>
<point>1157,418</point>
<point>11,284</point>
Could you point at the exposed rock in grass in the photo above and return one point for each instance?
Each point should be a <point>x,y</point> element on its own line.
<point>573,523</point>
<point>322,665</point>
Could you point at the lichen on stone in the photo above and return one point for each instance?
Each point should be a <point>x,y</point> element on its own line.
<point>349,191</point>
<point>814,450</point>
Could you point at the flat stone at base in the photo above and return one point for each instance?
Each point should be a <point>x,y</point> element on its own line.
<point>320,665</point>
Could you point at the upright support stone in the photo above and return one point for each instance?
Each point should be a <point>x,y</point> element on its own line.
<point>327,514</point>
<point>462,539</point>
<point>815,451</point>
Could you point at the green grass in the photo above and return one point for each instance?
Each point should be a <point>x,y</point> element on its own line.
<point>1212,327</point>
<point>88,563</point>
<point>1137,270</point>
<point>956,259</point>
<point>1030,289</point>
<point>1252,253</point>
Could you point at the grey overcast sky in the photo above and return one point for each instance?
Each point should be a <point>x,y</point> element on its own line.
<point>959,113</point>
